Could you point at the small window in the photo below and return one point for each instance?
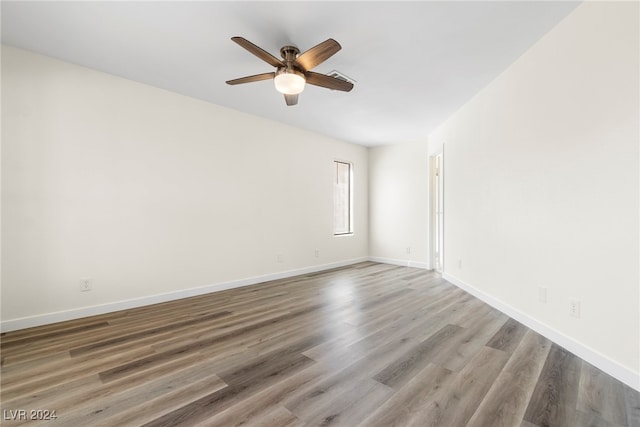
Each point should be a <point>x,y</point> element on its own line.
<point>342,198</point>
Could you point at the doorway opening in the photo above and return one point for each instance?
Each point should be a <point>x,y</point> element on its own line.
<point>437,211</point>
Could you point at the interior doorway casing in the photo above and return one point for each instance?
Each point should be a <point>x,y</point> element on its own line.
<point>437,211</point>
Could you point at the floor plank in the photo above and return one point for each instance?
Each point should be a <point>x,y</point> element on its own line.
<point>508,337</point>
<point>505,403</point>
<point>554,398</point>
<point>601,395</point>
<point>403,408</point>
<point>457,403</point>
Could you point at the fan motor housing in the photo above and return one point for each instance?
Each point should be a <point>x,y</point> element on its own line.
<point>289,53</point>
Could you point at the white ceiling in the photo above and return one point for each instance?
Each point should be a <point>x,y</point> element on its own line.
<point>414,63</point>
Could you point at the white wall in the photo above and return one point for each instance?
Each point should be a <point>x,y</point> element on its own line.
<point>541,186</point>
<point>148,192</point>
<point>399,204</point>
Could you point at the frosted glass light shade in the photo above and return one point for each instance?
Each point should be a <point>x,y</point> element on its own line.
<point>289,83</point>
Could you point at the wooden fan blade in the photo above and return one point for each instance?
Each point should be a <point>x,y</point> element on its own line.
<point>249,79</point>
<point>291,99</point>
<point>323,80</point>
<point>318,54</point>
<point>258,51</point>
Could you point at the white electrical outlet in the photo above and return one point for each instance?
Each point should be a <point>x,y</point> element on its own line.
<point>460,264</point>
<point>408,250</point>
<point>280,257</point>
<point>542,294</point>
<point>85,284</point>
<point>574,308</point>
<point>317,253</point>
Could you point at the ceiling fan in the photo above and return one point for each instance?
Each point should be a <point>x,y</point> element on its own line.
<point>294,70</point>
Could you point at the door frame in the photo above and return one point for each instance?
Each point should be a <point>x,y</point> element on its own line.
<point>437,209</point>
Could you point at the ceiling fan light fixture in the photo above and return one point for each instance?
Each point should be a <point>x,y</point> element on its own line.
<point>289,82</point>
<point>293,72</point>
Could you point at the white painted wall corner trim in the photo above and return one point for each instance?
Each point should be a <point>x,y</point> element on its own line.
<point>622,373</point>
<point>402,262</point>
<point>61,316</point>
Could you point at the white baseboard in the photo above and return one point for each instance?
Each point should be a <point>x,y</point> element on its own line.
<point>77,313</point>
<point>620,372</point>
<point>402,262</point>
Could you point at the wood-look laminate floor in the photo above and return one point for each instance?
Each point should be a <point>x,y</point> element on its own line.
<point>365,345</point>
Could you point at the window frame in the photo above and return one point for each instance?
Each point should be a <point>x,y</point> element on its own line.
<point>349,205</point>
